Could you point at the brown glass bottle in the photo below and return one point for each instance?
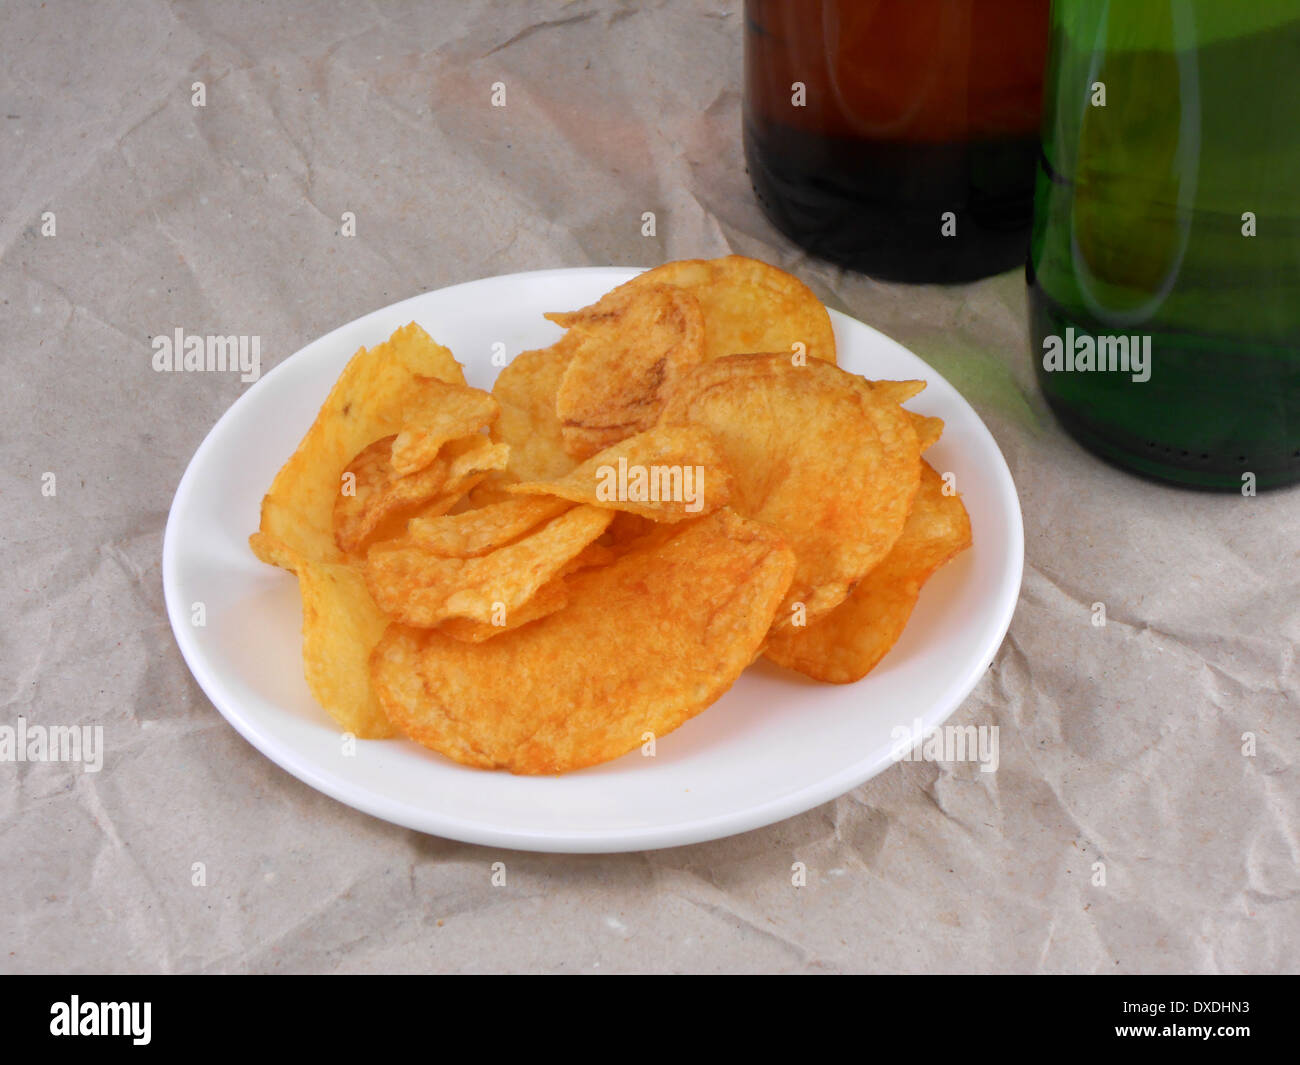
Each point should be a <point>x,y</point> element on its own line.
<point>897,137</point>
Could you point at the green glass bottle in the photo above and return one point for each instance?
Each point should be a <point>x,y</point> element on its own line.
<point>1164,269</point>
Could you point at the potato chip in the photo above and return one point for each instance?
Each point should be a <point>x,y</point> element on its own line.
<point>928,430</point>
<point>471,457</point>
<point>643,645</point>
<point>630,347</point>
<point>418,588</point>
<point>476,532</point>
<point>670,473</point>
<point>847,643</point>
<point>273,551</point>
<point>340,627</point>
<point>458,411</point>
<point>380,391</point>
<point>749,306</point>
<point>830,464</point>
<point>627,528</point>
<point>374,502</point>
<point>895,391</point>
<point>526,391</point>
<point>550,597</point>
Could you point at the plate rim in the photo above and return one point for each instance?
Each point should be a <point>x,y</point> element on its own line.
<point>574,841</point>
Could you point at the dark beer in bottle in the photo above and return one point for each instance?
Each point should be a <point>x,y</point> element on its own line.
<point>897,137</point>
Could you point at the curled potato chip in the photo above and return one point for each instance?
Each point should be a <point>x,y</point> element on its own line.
<point>380,391</point>
<point>375,502</point>
<point>526,391</point>
<point>550,597</point>
<point>458,411</point>
<point>627,528</point>
<point>340,627</point>
<point>847,643</point>
<point>422,589</point>
<point>749,306</point>
<point>896,391</point>
<point>832,465</point>
<point>273,551</point>
<point>668,473</point>
<point>661,633</point>
<point>476,532</point>
<point>630,347</point>
<point>471,457</point>
<point>928,429</point>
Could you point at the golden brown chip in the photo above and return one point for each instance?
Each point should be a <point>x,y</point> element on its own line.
<point>476,532</point>
<point>627,528</point>
<point>273,551</point>
<point>374,502</point>
<point>459,411</point>
<point>550,597</point>
<point>658,635</point>
<point>749,306</point>
<point>340,627</point>
<point>668,473</point>
<point>847,643</point>
<point>418,588</point>
<point>629,349</point>
<point>526,391</point>
<point>830,464</point>
<point>472,456</point>
<point>595,554</point>
<point>380,391</point>
<point>896,391</point>
<point>928,430</point>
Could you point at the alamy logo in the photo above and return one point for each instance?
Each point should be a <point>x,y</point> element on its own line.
<point>55,743</point>
<point>102,1018</point>
<point>651,484</point>
<point>948,743</point>
<point>1086,353</point>
<point>178,352</point>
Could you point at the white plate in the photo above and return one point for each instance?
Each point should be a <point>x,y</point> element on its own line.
<point>774,746</point>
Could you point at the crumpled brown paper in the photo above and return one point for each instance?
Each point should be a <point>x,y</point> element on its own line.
<point>1119,744</point>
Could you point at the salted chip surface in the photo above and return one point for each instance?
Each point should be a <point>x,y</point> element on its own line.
<point>526,391</point>
<point>896,391</point>
<point>644,644</point>
<point>381,390</point>
<point>373,500</point>
<point>476,532</point>
<point>832,465</point>
<point>458,411</point>
<point>550,597</point>
<point>749,306</point>
<point>630,347</point>
<point>668,473</point>
<point>422,589</point>
<point>928,429</point>
<point>340,627</point>
<point>847,643</point>
<point>273,551</point>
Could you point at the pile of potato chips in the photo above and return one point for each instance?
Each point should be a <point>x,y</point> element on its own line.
<point>545,577</point>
